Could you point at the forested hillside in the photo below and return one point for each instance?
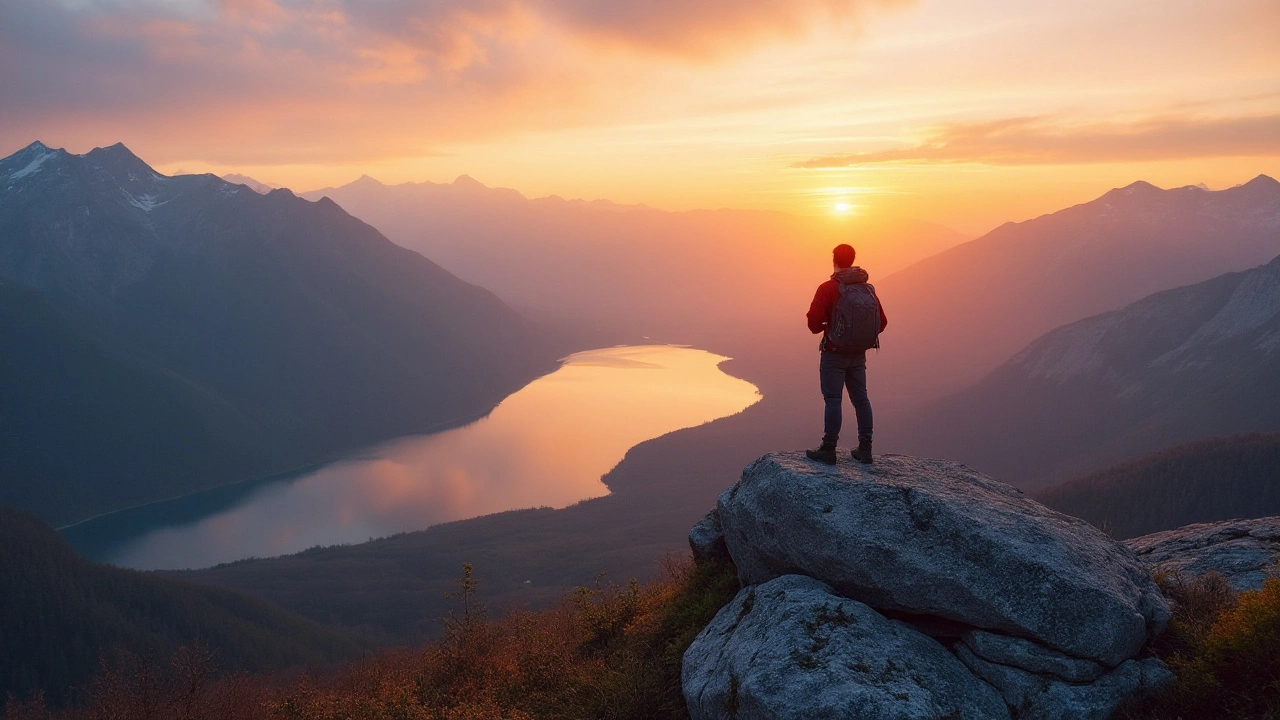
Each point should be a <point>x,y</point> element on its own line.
<point>59,614</point>
<point>1217,479</point>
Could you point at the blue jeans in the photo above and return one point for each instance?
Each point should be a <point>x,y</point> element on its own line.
<point>838,371</point>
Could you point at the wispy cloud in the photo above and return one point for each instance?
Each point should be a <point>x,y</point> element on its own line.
<point>1046,141</point>
<point>331,80</point>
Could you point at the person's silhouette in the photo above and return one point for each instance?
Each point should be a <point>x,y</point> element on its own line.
<point>848,313</point>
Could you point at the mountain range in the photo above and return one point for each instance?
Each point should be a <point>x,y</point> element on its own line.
<point>630,271</point>
<point>662,484</point>
<point>959,314</point>
<point>169,334</point>
<point>1184,364</point>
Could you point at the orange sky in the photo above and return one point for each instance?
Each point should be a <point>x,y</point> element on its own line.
<point>964,112</point>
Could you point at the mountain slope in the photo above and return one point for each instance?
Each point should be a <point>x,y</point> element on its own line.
<point>277,331</point>
<point>1205,481</point>
<point>1184,364</point>
<point>254,185</point>
<point>60,613</point>
<point>959,314</point>
<point>694,277</point>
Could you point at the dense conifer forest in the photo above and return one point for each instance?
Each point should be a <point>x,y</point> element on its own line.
<point>63,615</point>
<point>1216,479</point>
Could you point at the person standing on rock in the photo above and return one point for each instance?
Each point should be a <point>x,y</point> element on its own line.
<point>847,312</point>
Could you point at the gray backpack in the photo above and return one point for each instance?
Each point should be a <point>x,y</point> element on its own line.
<point>855,319</point>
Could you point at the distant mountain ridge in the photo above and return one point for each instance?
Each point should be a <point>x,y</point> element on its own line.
<point>1204,481</point>
<point>254,185</point>
<point>167,334</point>
<point>1180,365</point>
<point>959,314</point>
<point>630,270</point>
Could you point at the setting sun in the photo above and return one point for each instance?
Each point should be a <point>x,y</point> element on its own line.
<point>843,208</point>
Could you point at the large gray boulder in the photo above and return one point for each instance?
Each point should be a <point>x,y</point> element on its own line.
<point>1032,696</point>
<point>1242,551</point>
<point>792,649</point>
<point>935,538</point>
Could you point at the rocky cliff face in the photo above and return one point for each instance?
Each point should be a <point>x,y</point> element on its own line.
<point>915,589</point>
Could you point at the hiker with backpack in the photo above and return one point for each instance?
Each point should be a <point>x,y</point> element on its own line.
<point>847,312</point>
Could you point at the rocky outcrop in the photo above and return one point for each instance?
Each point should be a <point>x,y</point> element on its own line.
<point>848,570</point>
<point>931,537</point>
<point>1242,551</point>
<point>792,648</point>
<point>706,539</point>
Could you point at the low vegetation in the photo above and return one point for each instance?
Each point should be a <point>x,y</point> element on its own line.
<point>613,652</point>
<point>609,651</point>
<point>1224,648</point>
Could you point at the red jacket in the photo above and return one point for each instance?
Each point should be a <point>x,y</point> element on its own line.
<point>824,300</point>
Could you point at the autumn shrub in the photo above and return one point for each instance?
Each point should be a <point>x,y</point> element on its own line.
<point>609,651</point>
<point>1226,656</point>
<point>1197,603</point>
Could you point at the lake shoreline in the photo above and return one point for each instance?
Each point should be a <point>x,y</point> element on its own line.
<point>549,444</point>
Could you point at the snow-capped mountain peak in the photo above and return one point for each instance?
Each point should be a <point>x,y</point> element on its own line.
<point>27,161</point>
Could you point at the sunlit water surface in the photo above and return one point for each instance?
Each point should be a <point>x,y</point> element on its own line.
<point>548,444</point>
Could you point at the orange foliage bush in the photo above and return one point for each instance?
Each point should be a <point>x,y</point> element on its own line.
<point>1227,659</point>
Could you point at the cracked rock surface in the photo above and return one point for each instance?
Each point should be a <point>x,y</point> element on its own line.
<point>936,538</point>
<point>792,648</point>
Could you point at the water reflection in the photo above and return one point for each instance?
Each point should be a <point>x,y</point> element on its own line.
<point>546,445</point>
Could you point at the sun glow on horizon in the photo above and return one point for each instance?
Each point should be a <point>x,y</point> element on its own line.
<point>967,113</point>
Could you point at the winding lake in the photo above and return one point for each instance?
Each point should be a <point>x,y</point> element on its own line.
<point>547,444</point>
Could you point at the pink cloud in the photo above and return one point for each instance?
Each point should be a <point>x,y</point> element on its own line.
<point>1044,141</point>
<point>328,80</point>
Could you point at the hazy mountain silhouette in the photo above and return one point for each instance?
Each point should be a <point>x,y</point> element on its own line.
<point>1205,481</point>
<point>258,187</point>
<point>959,314</point>
<point>168,334</point>
<point>62,613</point>
<point>1184,364</point>
<point>631,270</point>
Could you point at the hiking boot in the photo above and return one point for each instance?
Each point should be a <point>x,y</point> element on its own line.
<point>826,453</point>
<point>863,453</point>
